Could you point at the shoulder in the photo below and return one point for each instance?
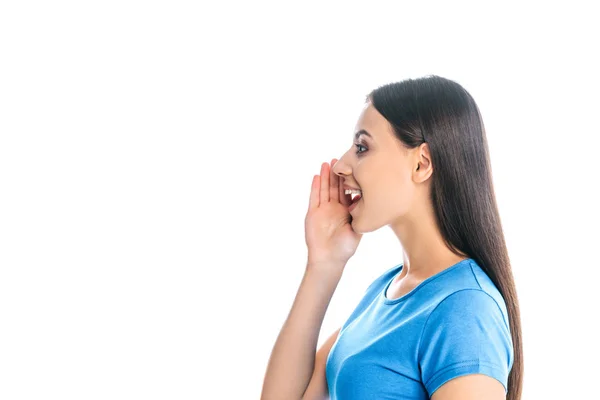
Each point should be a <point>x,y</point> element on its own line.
<point>471,298</point>
<point>486,285</point>
<point>468,285</point>
<point>467,304</point>
<point>466,333</point>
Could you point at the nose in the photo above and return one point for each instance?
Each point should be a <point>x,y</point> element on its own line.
<point>341,168</point>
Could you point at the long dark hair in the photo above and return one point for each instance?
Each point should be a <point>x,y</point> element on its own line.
<point>441,113</point>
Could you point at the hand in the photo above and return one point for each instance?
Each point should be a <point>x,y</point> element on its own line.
<point>329,234</point>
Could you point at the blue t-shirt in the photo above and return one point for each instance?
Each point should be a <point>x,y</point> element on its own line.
<point>453,323</point>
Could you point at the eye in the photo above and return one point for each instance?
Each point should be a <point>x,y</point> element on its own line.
<point>358,146</point>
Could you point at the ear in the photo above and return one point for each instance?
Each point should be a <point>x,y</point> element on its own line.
<point>423,167</point>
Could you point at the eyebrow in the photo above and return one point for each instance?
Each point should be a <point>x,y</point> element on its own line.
<point>362,132</point>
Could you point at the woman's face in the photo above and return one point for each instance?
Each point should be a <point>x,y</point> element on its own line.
<point>382,168</point>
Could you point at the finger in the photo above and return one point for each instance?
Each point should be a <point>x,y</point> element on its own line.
<point>345,199</point>
<point>343,196</point>
<point>324,183</point>
<point>314,193</point>
<point>334,187</point>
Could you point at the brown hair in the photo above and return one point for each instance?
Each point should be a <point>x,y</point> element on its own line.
<point>441,113</point>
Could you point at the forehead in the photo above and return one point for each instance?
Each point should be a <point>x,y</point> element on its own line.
<point>373,122</point>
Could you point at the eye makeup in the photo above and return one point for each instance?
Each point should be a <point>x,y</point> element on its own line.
<point>358,147</point>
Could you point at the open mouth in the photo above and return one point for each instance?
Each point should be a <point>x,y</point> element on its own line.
<point>353,196</point>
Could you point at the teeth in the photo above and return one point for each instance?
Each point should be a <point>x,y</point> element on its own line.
<point>352,191</point>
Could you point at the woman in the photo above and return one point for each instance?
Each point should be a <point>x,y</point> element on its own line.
<point>445,323</point>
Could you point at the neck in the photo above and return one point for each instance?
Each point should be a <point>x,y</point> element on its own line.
<point>424,251</point>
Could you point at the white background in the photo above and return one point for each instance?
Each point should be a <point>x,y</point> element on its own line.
<point>155,168</point>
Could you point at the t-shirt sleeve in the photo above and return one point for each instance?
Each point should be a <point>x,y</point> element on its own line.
<point>465,334</point>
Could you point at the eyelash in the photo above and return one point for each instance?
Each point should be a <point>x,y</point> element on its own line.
<point>357,145</point>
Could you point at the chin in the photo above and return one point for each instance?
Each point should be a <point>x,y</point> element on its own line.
<point>359,226</point>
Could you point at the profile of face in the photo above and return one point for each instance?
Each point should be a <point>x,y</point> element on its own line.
<point>392,178</point>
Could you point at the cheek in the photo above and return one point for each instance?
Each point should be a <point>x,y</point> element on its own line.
<point>390,194</point>
<point>401,194</point>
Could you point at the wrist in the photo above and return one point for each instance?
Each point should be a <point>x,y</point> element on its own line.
<point>327,267</point>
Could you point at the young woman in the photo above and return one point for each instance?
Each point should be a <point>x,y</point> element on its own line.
<point>444,324</point>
